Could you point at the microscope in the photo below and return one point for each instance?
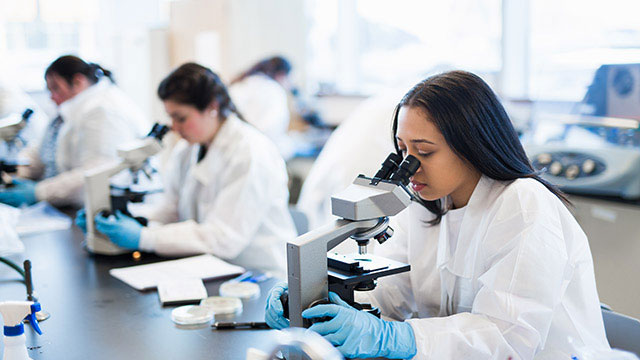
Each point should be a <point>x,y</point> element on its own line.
<point>10,128</point>
<point>364,209</point>
<point>101,197</point>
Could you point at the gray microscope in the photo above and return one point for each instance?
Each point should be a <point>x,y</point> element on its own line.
<point>364,208</point>
<point>10,128</point>
<point>101,197</point>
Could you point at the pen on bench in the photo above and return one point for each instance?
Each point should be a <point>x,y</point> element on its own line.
<point>236,325</point>
<point>243,277</point>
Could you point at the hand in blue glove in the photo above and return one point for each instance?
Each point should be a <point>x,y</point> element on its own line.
<point>81,220</point>
<point>23,191</point>
<point>274,313</point>
<point>358,334</point>
<point>121,229</point>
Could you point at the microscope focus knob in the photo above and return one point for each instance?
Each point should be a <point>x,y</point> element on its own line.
<point>385,235</point>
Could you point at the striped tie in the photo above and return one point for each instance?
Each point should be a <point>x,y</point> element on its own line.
<point>48,147</point>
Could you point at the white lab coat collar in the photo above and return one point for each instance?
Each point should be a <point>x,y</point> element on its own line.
<point>223,139</point>
<point>462,262</point>
<point>71,106</point>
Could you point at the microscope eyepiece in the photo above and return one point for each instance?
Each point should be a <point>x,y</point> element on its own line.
<point>407,168</point>
<point>158,131</point>
<point>27,114</point>
<point>388,166</point>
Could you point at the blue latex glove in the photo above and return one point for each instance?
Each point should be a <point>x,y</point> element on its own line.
<point>81,220</point>
<point>121,229</point>
<point>274,313</point>
<point>358,334</point>
<point>23,191</point>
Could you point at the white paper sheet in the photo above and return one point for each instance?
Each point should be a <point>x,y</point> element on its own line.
<point>10,244</point>
<point>41,217</point>
<point>181,291</point>
<point>205,267</point>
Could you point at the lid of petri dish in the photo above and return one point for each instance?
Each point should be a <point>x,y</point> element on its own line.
<point>222,305</point>
<point>191,315</point>
<point>243,289</point>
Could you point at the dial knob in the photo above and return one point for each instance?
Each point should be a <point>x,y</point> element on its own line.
<point>544,158</point>
<point>588,166</point>
<point>572,172</point>
<point>555,168</point>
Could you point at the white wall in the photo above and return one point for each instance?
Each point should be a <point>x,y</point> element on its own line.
<point>246,31</point>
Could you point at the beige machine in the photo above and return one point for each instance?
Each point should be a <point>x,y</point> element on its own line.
<point>613,229</point>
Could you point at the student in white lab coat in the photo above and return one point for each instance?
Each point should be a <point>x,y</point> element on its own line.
<point>500,269</point>
<point>95,117</point>
<point>261,98</point>
<point>226,185</point>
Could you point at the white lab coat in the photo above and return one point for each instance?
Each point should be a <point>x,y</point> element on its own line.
<point>358,146</point>
<point>519,285</point>
<point>263,103</point>
<point>96,122</point>
<point>232,204</point>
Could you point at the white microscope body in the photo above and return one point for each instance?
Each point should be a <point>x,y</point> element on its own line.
<point>11,125</point>
<point>10,128</point>
<point>133,156</point>
<point>363,208</point>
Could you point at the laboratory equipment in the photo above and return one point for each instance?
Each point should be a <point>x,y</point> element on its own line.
<point>240,289</point>
<point>25,273</point>
<point>222,305</point>
<point>587,155</point>
<point>10,128</point>
<point>614,91</point>
<point>191,315</point>
<point>101,198</point>
<point>13,313</point>
<point>296,342</point>
<point>363,208</point>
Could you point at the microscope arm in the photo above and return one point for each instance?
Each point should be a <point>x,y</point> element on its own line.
<point>311,249</point>
<point>97,199</point>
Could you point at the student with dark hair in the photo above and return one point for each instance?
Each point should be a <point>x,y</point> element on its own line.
<point>225,187</point>
<point>500,269</point>
<point>94,118</point>
<point>262,100</point>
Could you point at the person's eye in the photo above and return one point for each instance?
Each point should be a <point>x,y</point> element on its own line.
<point>424,153</point>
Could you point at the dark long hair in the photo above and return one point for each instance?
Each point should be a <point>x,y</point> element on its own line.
<point>196,85</point>
<point>68,66</point>
<point>475,126</point>
<point>271,67</point>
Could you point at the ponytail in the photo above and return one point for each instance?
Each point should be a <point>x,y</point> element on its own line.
<point>68,66</point>
<point>270,67</point>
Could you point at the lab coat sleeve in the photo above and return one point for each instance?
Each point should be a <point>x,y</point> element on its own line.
<point>526,275</point>
<point>231,221</point>
<point>94,142</point>
<point>35,168</point>
<point>393,295</point>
